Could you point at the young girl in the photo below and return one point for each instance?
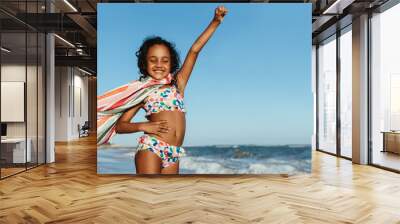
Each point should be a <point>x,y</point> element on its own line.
<point>159,92</point>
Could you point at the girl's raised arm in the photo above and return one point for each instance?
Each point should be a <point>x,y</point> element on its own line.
<point>190,60</point>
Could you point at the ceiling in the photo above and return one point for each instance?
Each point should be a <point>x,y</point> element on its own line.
<point>76,22</point>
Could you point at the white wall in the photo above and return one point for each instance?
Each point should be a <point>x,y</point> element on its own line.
<point>81,89</point>
<point>14,73</point>
<point>61,103</point>
<point>70,84</point>
<point>34,123</point>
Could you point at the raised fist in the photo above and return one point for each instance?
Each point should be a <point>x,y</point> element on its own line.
<point>220,13</point>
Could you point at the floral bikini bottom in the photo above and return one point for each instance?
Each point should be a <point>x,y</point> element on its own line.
<point>169,154</point>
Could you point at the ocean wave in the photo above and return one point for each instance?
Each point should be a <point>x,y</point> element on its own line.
<point>201,165</point>
<point>191,165</point>
<point>258,168</point>
<point>102,159</point>
<point>212,160</point>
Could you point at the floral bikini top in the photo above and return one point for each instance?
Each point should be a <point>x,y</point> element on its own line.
<point>165,99</point>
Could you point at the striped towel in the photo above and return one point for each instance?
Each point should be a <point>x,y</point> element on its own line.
<point>112,104</point>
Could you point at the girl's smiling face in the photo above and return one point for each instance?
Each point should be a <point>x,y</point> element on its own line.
<point>158,61</point>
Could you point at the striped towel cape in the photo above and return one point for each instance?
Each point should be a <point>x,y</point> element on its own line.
<point>112,104</point>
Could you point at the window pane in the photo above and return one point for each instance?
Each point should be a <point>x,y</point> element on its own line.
<point>31,97</point>
<point>327,96</point>
<point>41,98</point>
<point>13,86</point>
<point>346,93</point>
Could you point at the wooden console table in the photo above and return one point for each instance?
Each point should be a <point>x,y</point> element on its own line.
<point>391,141</point>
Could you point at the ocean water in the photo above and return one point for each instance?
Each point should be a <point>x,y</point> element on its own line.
<point>237,159</point>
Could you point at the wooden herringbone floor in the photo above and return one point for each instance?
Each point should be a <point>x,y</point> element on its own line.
<point>70,191</point>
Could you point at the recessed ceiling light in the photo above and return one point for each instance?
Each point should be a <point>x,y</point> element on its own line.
<point>84,71</point>
<point>71,6</point>
<point>338,6</point>
<point>5,49</point>
<point>64,40</point>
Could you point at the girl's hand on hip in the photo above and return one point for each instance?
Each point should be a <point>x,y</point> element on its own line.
<point>156,127</point>
<point>220,13</point>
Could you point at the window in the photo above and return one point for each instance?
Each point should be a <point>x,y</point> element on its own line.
<point>385,88</point>
<point>22,68</point>
<point>327,95</point>
<point>346,92</point>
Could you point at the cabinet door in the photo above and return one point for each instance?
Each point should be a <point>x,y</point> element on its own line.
<point>392,141</point>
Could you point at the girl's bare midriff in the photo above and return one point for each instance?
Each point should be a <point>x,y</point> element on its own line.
<point>176,124</point>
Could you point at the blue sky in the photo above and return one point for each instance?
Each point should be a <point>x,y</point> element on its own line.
<point>251,83</point>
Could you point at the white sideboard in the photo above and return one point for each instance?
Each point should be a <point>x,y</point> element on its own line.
<point>18,148</point>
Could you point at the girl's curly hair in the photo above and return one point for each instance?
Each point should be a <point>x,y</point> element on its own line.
<point>141,54</point>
